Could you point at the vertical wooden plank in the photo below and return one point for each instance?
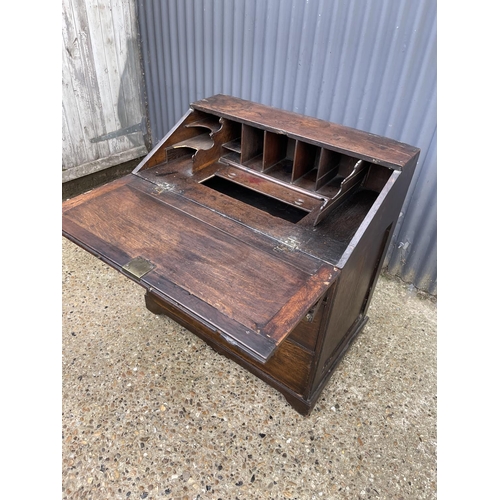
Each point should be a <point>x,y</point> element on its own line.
<point>305,159</point>
<point>69,153</point>
<point>129,106</point>
<point>252,143</point>
<point>80,93</point>
<point>108,66</point>
<point>121,36</point>
<point>328,167</point>
<point>274,148</point>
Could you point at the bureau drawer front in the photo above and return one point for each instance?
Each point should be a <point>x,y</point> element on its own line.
<point>290,364</point>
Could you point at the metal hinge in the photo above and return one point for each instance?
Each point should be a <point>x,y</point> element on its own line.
<point>138,127</point>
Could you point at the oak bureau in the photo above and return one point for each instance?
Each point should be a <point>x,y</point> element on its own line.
<point>260,230</point>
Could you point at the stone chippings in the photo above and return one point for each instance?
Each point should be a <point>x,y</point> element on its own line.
<point>150,411</point>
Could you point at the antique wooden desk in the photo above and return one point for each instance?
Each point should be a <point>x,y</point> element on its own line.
<point>260,230</point>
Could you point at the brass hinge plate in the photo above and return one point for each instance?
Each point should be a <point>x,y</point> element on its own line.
<point>138,267</point>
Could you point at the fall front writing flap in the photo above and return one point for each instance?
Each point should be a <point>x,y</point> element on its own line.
<point>238,283</point>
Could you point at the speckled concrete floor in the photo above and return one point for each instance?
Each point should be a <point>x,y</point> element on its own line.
<point>150,411</point>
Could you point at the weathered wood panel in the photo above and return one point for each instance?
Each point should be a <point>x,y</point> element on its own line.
<point>102,112</point>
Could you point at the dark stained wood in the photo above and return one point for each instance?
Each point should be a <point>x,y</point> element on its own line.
<point>275,146</point>
<point>328,167</point>
<point>211,122</point>
<point>248,283</point>
<point>177,134</point>
<point>377,178</point>
<point>369,147</point>
<point>200,141</point>
<point>248,196</point>
<point>306,332</point>
<point>348,185</point>
<point>265,232</point>
<point>360,270</point>
<point>234,145</point>
<point>194,124</point>
<point>274,244</point>
<point>300,303</point>
<point>305,160</point>
<point>288,367</point>
<point>252,145</point>
<point>226,132</point>
<point>253,181</point>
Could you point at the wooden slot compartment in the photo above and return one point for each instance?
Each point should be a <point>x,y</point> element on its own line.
<point>187,134</point>
<point>305,165</point>
<point>328,167</point>
<point>232,156</point>
<point>342,167</point>
<point>279,162</point>
<point>201,141</point>
<point>234,145</point>
<point>376,178</point>
<point>194,125</point>
<point>275,146</point>
<point>228,134</point>
<point>173,154</point>
<point>231,149</point>
<point>252,146</point>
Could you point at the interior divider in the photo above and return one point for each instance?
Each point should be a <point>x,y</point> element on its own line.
<point>286,159</point>
<point>328,167</point>
<point>305,160</point>
<point>252,143</point>
<point>346,165</point>
<point>275,146</point>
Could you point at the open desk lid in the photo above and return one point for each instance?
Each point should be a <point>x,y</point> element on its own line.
<point>219,272</point>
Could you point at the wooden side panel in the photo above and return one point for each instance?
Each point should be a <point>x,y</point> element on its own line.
<point>181,132</point>
<point>252,143</point>
<point>360,268</point>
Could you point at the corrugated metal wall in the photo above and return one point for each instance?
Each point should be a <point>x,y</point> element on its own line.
<point>366,64</point>
<point>102,110</point>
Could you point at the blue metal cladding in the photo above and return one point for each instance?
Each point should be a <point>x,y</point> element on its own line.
<point>368,64</point>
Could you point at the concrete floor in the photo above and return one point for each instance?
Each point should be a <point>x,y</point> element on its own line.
<point>150,411</point>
